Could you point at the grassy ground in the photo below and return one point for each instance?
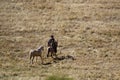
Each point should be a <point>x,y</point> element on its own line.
<point>88,30</point>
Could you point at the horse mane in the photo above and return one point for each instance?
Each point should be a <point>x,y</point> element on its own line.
<point>39,48</point>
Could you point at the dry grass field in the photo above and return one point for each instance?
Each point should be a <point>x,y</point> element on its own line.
<point>88,30</point>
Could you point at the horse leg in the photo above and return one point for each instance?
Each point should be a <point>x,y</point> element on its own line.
<point>32,59</point>
<point>52,54</point>
<point>48,52</point>
<point>55,54</point>
<point>36,58</point>
<point>41,59</point>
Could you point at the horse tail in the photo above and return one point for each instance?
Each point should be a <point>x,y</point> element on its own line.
<point>30,54</point>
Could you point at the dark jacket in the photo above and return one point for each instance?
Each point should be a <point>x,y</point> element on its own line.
<point>51,42</point>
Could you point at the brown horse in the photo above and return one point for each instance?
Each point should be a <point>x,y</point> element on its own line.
<point>35,53</point>
<point>52,50</point>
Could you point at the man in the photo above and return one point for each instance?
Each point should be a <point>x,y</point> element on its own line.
<point>52,46</point>
<point>51,41</point>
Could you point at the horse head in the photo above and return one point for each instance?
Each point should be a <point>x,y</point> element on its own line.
<point>40,48</point>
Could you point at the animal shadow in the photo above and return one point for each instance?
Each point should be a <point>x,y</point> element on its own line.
<point>48,63</point>
<point>60,58</point>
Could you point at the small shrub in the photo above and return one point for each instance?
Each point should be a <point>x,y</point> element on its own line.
<point>58,78</point>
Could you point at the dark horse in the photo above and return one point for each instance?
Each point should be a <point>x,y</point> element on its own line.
<point>52,50</point>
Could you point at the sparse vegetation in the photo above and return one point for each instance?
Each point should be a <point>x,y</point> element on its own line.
<point>58,78</point>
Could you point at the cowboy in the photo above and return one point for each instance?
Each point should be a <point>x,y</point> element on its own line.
<point>51,41</point>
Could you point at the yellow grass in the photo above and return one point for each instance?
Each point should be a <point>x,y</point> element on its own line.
<point>88,30</point>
